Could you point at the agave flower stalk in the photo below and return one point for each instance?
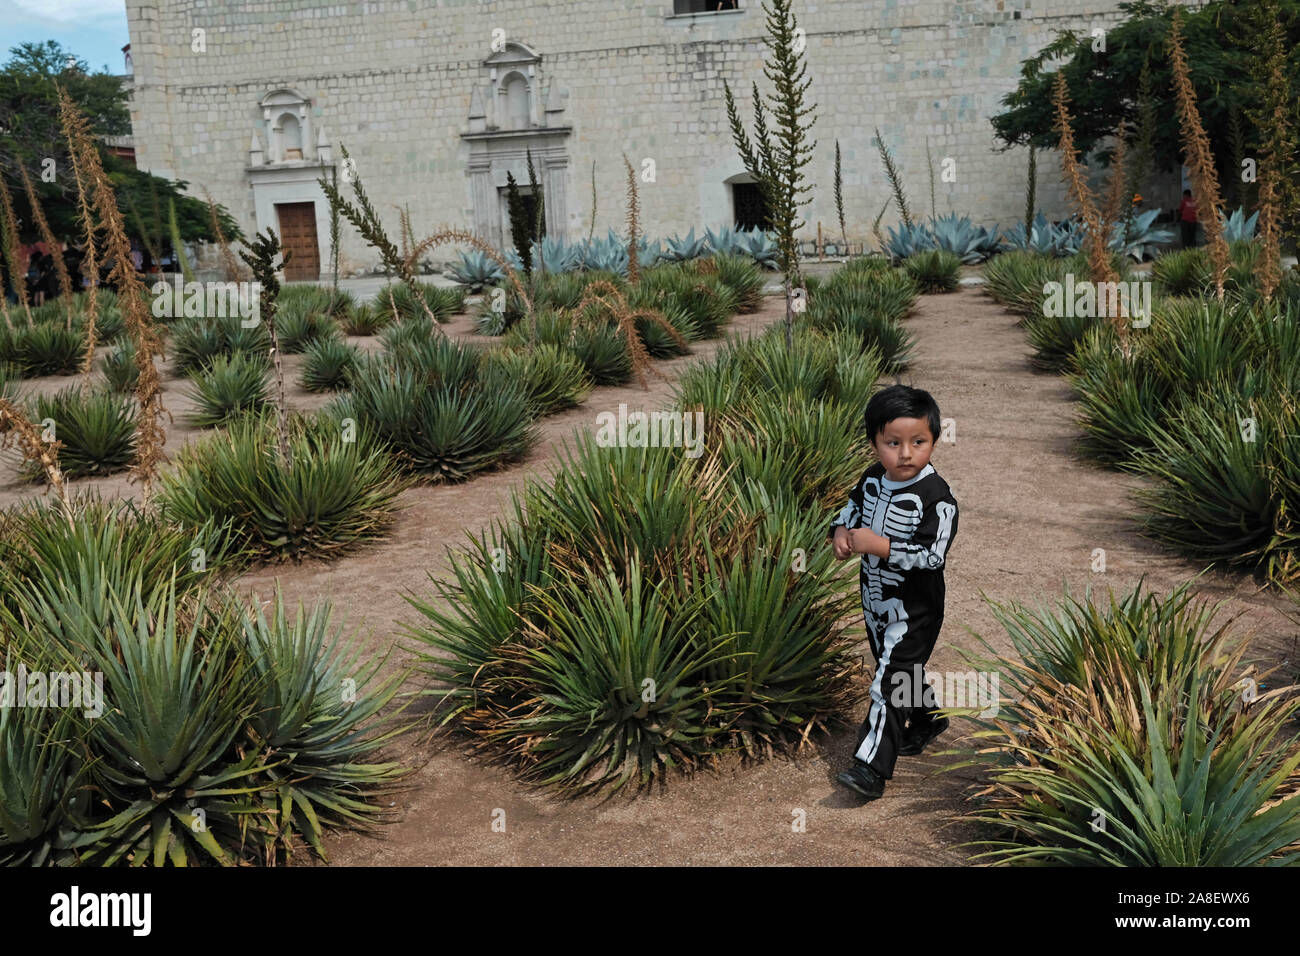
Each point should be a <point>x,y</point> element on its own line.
<point>11,244</point>
<point>150,436</point>
<point>16,427</point>
<point>1199,155</point>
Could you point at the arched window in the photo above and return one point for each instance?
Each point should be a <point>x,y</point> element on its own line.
<point>291,136</point>
<point>517,106</point>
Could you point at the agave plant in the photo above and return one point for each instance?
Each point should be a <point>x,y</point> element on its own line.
<point>337,490</point>
<point>1239,227</point>
<point>552,378</point>
<point>41,772</point>
<point>328,364</point>
<point>605,255</point>
<point>759,246</point>
<point>444,430</point>
<point>364,319</point>
<point>476,270</point>
<point>1045,238</point>
<point>648,253</point>
<point>683,249</point>
<point>318,715</point>
<point>109,544</point>
<point>553,255</point>
<point>935,270</point>
<point>1182,272</point>
<point>48,348</point>
<point>1138,238</point>
<point>961,237</point>
<point>228,388</point>
<point>96,430</point>
<point>299,328</point>
<point>723,242</point>
<point>182,692</point>
<point>1188,778</point>
<point>905,240</point>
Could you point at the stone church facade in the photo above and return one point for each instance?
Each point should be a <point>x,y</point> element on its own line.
<point>437,100</point>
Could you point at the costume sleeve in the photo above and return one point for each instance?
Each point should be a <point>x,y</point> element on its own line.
<point>850,515</point>
<point>928,547</point>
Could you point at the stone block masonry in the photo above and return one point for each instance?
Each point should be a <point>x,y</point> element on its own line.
<point>404,84</point>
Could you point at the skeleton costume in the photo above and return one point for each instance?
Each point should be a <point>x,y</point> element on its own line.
<point>902,599</point>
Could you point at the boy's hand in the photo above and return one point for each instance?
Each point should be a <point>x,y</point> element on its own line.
<point>841,543</point>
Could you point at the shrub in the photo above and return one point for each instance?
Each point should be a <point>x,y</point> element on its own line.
<point>298,329</point>
<point>1121,398</point>
<point>1137,713</point>
<point>552,379</point>
<point>867,304</point>
<point>216,711</point>
<point>328,365</point>
<point>1054,338</point>
<point>1183,272</point>
<point>229,387</point>
<point>109,544</point>
<point>365,319</point>
<point>334,493</point>
<point>634,562</point>
<point>47,348</point>
<point>96,430</point>
<point>1227,471</point>
<point>1016,279</point>
<point>119,367</point>
<point>443,303</point>
<point>740,274</point>
<point>935,270</point>
<point>446,432</point>
<point>196,342</point>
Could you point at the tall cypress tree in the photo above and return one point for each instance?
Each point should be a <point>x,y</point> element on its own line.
<point>521,228</point>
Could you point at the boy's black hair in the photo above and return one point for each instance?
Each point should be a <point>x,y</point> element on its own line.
<point>901,401</point>
<point>1187,192</point>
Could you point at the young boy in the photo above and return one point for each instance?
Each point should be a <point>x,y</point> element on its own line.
<point>901,517</point>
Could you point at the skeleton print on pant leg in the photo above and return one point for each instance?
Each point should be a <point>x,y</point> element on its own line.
<point>902,595</point>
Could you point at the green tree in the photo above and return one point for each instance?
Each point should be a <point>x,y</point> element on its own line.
<point>777,159</point>
<point>1220,42</point>
<point>30,137</point>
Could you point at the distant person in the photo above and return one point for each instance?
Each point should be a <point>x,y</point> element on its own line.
<point>1187,219</point>
<point>901,518</point>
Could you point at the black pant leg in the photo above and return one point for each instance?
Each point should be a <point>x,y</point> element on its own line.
<point>905,647</point>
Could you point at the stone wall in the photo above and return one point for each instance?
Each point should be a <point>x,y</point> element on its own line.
<point>393,81</point>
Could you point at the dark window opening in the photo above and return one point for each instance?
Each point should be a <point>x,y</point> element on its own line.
<point>704,6</point>
<point>751,210</point>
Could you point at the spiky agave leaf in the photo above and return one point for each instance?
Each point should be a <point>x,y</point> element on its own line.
<point>319,718</point>
<point>227,388</point>
<point>95,430</point>
<point>338,491</point>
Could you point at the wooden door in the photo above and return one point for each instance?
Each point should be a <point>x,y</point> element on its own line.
<point>298,236</point>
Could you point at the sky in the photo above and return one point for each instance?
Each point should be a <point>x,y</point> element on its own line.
<point>94,30</point>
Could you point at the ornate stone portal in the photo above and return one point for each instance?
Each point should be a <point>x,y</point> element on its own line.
<point>513,112</point>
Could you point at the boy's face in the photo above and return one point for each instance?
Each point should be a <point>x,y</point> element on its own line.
<point>904,446</point>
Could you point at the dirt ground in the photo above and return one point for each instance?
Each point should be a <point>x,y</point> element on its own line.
<point>1032,511</point>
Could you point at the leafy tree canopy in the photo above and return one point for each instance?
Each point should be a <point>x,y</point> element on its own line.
<point>30,134</point>
<point>1220,39</point>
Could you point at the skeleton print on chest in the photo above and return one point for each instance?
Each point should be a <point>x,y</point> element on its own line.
<point>895,514</point>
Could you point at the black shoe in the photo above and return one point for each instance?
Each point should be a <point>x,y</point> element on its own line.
<point>863,780</point>
<point>914,743</point>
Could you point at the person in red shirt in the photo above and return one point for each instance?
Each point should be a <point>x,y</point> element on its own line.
<point>1187,218</point>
